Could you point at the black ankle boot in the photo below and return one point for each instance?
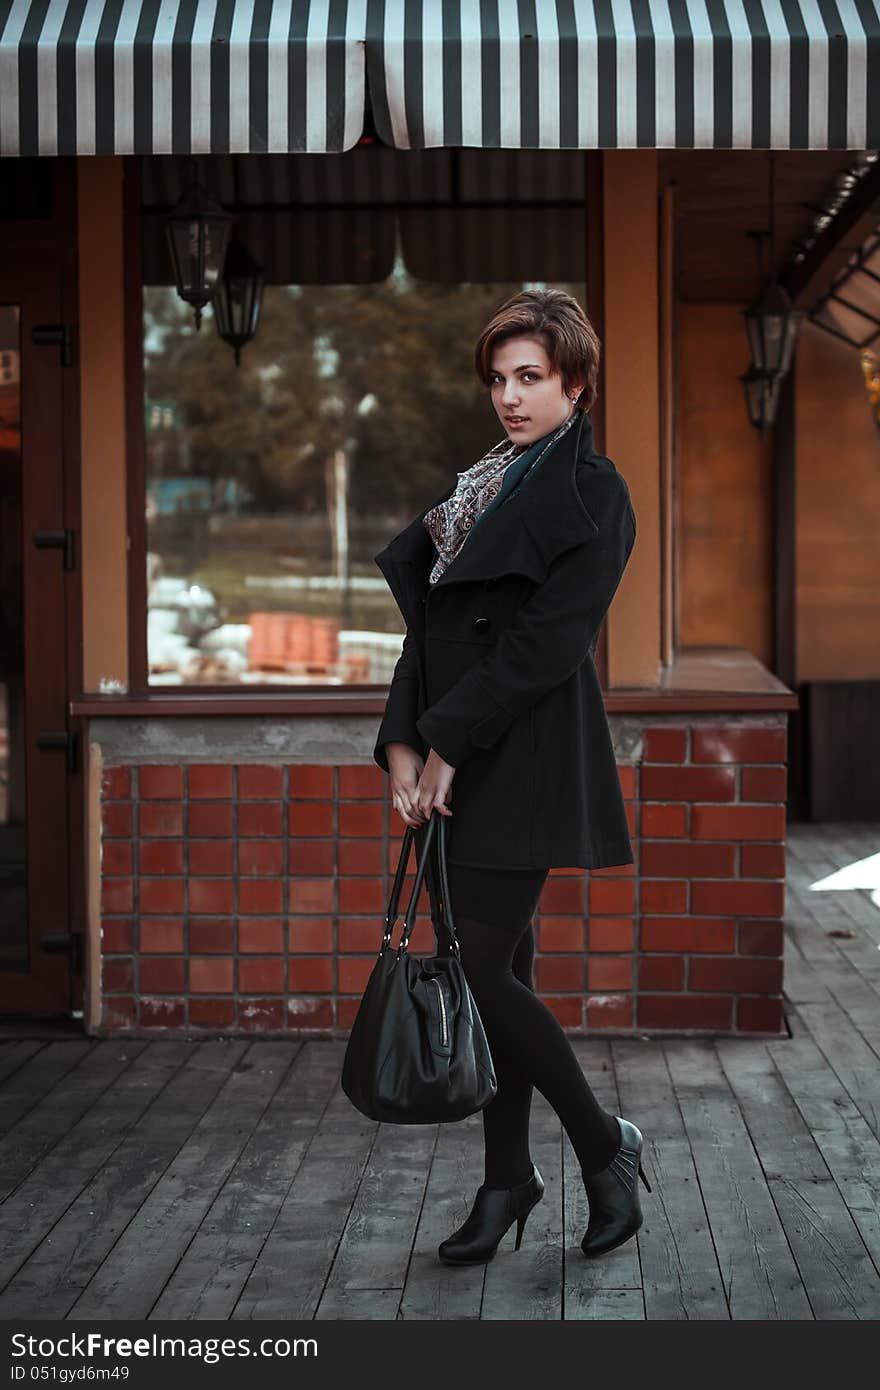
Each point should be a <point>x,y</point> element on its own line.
<point>613,1194</point>
<point>494,1211</point>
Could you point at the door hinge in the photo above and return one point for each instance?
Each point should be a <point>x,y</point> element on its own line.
<point>55,335</point>
<point>58,540</point>
<point>50,742</point>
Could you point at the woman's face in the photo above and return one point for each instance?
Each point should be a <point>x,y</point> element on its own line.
<point>529,400</point>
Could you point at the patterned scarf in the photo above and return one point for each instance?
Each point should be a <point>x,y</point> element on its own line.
<point>450,523</point>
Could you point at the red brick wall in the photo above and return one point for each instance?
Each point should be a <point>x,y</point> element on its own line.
<point>250,898</point>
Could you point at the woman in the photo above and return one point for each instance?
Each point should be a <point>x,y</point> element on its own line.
<point>495,719</point>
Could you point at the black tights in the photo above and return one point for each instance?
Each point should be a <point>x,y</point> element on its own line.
<point>492,910</point>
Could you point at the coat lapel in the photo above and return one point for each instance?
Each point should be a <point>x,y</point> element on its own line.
<point>543,518</point>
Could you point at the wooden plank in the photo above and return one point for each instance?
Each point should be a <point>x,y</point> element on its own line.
<point>680,1271</point>
<point>62,1265</point>
<point>13,1055</point>
<point>525,1285</point>
<point>28,1085</point>
<point>288,1277</point>
<point>59,1177</point>
<point>835,1268</point>
<point>590,1287</point>
<point>854,1062</point>
<point>212,1272</point>
<point>433,1290</point>
<point>760,1277</point>
<point>131,1278</point>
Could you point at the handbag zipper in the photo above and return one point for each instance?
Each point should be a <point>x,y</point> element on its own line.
<point>443,1025</point>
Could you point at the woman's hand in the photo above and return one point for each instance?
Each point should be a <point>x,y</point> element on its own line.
<point>417,787</point>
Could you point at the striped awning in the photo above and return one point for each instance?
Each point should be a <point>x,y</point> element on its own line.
<point>247,76</point>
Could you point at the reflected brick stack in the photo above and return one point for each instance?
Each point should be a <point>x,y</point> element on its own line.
<point>250,898</point>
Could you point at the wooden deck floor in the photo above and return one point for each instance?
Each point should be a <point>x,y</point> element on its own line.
<point>233,1179</point>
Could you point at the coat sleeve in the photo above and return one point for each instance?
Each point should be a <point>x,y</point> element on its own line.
<point>550,636</point>
<point>401,708</point>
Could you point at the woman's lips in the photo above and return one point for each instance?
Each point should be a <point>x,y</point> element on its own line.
<point>517,421</point>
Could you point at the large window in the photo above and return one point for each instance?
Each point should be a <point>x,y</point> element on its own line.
<point>271,485</point>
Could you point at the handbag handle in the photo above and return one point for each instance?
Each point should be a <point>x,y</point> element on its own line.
<point>423,867</point>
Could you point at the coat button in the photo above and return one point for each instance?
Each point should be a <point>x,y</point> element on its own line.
<point>482,623</point>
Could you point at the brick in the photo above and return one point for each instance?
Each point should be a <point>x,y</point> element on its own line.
<point>311,934</point>
<point>117,895</point>
<point>307,780</point>
<point>358,895</point>
<point>761,938</point>
<point>116,783</point>
<point>116,857</point>
<point>762,861</point>
<point>663,822</point>
<point>610,1011</point>
<point>661,972</point>
<point>663,745</point>
<point>685,1011</point>
<point>161,895</point>
<point>561,934</point>
<point>563,896</point>
<point>212,1013</point>
<point>160,818</point>
<point>615,896</point>
<point>687,934</point>
<point>261,1015</point>
<point>117,819</point>
<point>611,934</point>
<point>161,934</point>
<point>362,934</point>
<point>211,934</point>
<point>162,975</point>
<point>763,784</point>
<point>261,974</point>
<point>118,1011</point>
<point>662,858</point>
<point>559,974</point>
<point>354,971</point>
<point>311,895</point>
<point>626,774</point>
<point>212,857</point>
<point>212,895</point>
<point>752,976</point>
<point>260,896</point>
<point>260,818</point>
<point>259,781</point>
<point>161,1013</point>
<point>161,857</point>
<point>211,974</point>
<point>359,857</point>
<point>209,781</point>
<point>346,1012</point>
<point>362,780</point>
<point>730,743</point>
<point>609,973</point>
<point>310,818</point>
<point>760,1016</point>
<point>312,857</point>
<point>158,783</point>
<point>307,1014</point>
<point>568,1010</point>
<point>688,783</point>
<point>261,857</point>
<point>117,934</point>
<point>210,820</point>
<point>311,975</point>
<point>663,895</point>
<point>117,974</point>
<point>256,934</point>
<point>361,818</point>
<point>748,898</point>
<point>738,823</point>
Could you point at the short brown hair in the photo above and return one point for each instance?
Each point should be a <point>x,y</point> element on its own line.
<point>558,321</point>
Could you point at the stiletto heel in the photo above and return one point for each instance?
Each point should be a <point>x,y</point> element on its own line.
<point>494,1211</point>
<point>613,1194</point>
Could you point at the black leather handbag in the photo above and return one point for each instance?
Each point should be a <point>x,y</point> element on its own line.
<point>417,1053</point>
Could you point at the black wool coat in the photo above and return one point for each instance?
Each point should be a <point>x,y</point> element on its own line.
<point>497,670</point>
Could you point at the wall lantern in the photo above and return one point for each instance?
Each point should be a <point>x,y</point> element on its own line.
<point>762,396</point>
<point>238,297</point>
<point>771,326</point>
<point>197,231</point>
